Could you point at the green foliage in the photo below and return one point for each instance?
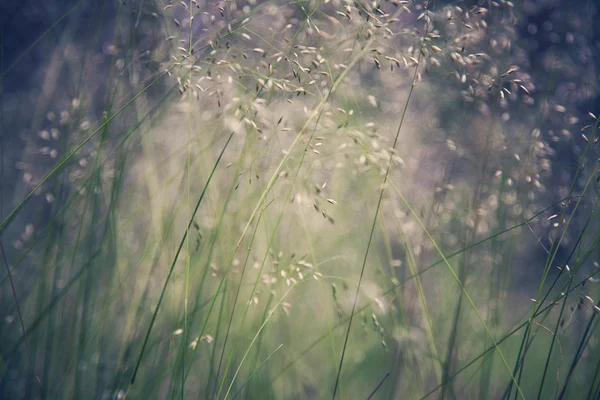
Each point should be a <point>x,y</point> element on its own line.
<point>302,200</point>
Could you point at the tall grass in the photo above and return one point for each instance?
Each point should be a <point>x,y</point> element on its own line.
<point>313,199</point>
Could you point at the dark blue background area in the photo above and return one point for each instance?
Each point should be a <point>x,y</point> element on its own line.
<point>22,23</point>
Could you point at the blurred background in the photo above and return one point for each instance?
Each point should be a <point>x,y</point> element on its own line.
<point>310,199</point>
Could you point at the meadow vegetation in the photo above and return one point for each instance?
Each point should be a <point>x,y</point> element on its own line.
<point>305,199</point>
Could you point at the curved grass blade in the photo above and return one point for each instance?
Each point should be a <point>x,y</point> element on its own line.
<point>175,261</point>
<point>468,297</point>
<point>378,386</point>
<point>364,264</point>
<point>32,45</point>
<point>258,369</point>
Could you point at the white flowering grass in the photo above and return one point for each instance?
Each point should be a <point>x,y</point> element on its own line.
<point>300,200</point>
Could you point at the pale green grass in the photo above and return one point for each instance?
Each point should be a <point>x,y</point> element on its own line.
<point>312,199</point>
